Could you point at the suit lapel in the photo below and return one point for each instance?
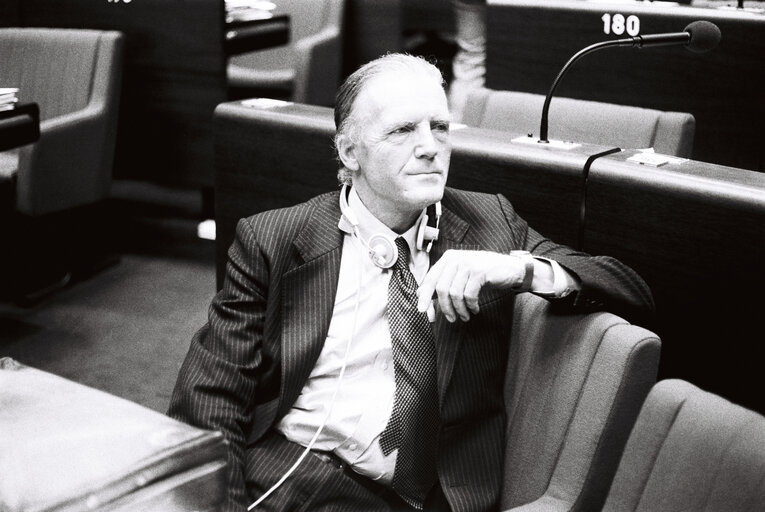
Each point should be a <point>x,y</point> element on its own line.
<point>308,297</point>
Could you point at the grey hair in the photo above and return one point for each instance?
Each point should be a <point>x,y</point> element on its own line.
<point>345,121</point>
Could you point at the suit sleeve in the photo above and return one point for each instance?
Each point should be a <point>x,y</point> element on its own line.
<point>606,283</point>
<point>224,367</point>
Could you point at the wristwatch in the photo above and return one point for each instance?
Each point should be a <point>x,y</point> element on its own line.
<point>528,277</point>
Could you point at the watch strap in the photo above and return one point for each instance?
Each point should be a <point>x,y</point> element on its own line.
<point>528,265</point>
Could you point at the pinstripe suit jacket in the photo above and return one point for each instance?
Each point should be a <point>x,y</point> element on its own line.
<point>267,326</point>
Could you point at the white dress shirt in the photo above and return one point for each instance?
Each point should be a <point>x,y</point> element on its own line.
<point>364,400</point>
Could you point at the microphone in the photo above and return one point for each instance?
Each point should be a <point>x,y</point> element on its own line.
<point>698,37</point>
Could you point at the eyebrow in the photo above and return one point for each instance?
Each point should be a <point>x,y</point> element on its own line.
<point>400,124</point>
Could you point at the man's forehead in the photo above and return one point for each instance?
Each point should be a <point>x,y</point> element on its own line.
<point>386,91</point>
<point>405,79</point>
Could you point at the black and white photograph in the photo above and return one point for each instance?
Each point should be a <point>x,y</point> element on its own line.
<point>382,256</point>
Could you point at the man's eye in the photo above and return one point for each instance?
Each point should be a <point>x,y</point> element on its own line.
<point>402,129</point>
<point>440,127</point>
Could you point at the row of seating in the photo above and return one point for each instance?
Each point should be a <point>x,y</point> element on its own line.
<point>79,97</point>
<point>306,70</point>
<point>582,435</point>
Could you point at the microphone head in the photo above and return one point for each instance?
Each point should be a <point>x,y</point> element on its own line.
<point>705,36</point>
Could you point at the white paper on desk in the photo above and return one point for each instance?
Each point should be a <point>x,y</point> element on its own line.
<point>265,103</point>
<point>551,143</point>
<point>8,97</point>
<point>650,157</point>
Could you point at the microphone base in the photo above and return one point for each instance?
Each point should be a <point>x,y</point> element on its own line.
<point>551,143</point>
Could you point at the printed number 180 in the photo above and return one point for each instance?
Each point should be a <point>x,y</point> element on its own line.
<point>618,25</point>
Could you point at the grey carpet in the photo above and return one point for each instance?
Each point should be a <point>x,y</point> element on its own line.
<point>126,329</point>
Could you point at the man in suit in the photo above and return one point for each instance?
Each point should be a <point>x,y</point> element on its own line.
<point>305,364</point>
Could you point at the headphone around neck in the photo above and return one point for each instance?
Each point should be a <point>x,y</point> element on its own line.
<point>381,247</point>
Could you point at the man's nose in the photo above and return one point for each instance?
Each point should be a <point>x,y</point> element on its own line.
<point>426,145</point>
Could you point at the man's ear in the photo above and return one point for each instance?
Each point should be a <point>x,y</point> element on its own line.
<point>346,150</point>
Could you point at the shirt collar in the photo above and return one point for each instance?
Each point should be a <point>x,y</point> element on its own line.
<point>370,225</point>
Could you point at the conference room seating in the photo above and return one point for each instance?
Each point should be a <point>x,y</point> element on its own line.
<point>72,448</point>
<point>74,76</point>
<point>55,187</point>
<point>669,133</point>
<point>574,386</point>
<point>308,69</point>
<point>691,450</point>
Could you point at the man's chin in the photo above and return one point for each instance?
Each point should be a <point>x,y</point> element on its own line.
<point>427,194</point>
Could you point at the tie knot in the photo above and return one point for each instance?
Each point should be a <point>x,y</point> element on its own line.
<point>402,263</point>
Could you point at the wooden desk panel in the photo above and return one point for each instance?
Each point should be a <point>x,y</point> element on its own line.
<point>696,233</point>
<point>266,159</point>
<point>9,14</point>
<point>544,185</point>
<point>530,41</point>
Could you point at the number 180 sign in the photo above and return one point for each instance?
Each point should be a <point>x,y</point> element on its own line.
<point>617,24</point>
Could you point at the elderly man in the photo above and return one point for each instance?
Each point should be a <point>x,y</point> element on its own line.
<point>355,356</point>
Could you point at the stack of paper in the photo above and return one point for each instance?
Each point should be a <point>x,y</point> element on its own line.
<point>8,98</point>
<point>248,10</point>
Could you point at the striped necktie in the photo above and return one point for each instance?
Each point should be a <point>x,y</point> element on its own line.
<point>413,425</point>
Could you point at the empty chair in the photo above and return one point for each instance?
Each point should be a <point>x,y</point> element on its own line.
<point>691,450</point>
<point>57,182</point>
<point>74,76</point>
<point>574,386</point>
<point>607,124</point>
<point>308,69</point>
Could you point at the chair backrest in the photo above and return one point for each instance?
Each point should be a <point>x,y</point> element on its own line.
<point>669,133</point>
<point>691,450</point>
<point>574,386</point>
<point>308,68</point>
<point>32,57</point>
<point>74,76</point>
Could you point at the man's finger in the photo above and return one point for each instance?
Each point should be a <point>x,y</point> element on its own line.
<point>472,291</point>
<point>428,287</point>
<point>443,289</point>
<point>457,293</point>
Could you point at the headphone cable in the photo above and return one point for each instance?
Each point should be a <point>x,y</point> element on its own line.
<point>308,448</point>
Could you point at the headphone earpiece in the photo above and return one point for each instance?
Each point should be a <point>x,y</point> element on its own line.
<point>382,249</point>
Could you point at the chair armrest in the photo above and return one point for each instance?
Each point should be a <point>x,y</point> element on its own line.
<point>317,67</point>
<point>267,79</point>
<point>44,184</point>
<point>543,504</point>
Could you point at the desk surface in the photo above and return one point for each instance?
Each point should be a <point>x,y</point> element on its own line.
<point>19,126</point>
<point>248,34</point>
